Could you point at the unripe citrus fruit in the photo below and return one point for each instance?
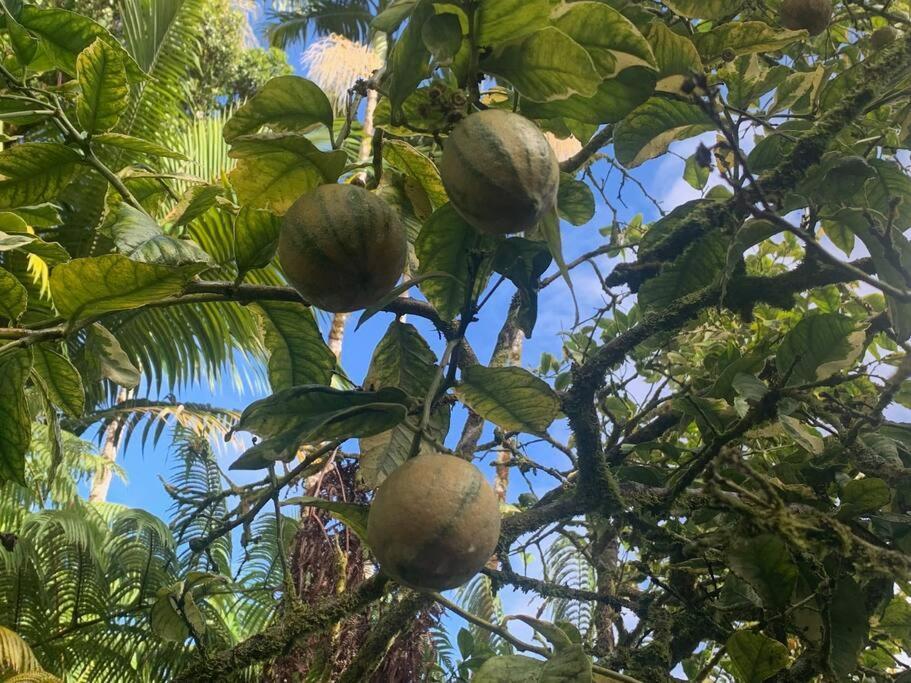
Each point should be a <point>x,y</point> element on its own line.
<point>434,522</point>
<point>884,36</point>
<point>500,172</point>
<point>341,247</point>
<point>813,16</point>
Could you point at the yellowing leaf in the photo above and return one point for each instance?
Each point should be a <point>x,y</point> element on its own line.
<point>104,95</point>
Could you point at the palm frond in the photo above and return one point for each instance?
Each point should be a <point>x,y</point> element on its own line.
<point>295,23</point>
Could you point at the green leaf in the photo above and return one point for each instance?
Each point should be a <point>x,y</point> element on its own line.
<point>544,66</point>
<point>575,201</point>
<point>52,252</point>
<point>695,174</point>
<point>614,100</point>
<point>409,62</point>
<point>523,262</point>
<point>60,378</point>
<point>383,453</point>
<point>756,657</point>
<point>819,346</point>
<point>570,665</point>
<point>805,436</point>
<point>352,515</point>
<point>841,235</point>
<point>35,172</point>
<point>442,36</point>
<point>650,129</point>
<point>848,627</point>
<point>447,244</point>
<point>104,351</point>
<point>87,287</point>
<point>138,145</point>
<point>862,496</point>
<point>402,359</point>
<point>274,170</point>
<point>137,235</point>
<point>297,353</point>
<point>104,91</point>
<point>39,216</point>
<point>389,19</point>
<point>509,669</point>
<point>25,45</point>
<point>13,296</point>
<point>193,203</point>
<point>677,57</point>
<point>64,35</point>
<point>285,103</point>
<point>321,413</point>
<point>743,38</point>
<point>749,386</point>
<point>405,158</point>
<point>193,614</point>
<point>705,9</point>
<point>255,239</point>
<point>612,41</point>
<point>500,20</point>
<point>699,266</point>
<point>465,640</point>
<point>15,422</point>
<point>166,620</point>
<point>510,397</point>
<point>549,228</point>
<point>765,563</point>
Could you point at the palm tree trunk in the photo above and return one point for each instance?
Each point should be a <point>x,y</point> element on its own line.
<point>501,479</point>
<point>101,482</point>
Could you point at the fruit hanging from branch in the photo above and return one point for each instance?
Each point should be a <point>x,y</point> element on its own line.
<point>500,172</point>
<point>434,522</point>
<point>341,247</point>
<point>813,16</point>
<point>883,37</point>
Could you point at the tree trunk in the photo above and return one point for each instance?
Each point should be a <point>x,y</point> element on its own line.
<point>101,482</point>
<point>501,481</point>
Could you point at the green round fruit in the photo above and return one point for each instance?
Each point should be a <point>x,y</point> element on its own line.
<point>883,37</point>
<point>341,247</point>
<point>813,16</point>
<point>434,522</point>
<point>500,172</point>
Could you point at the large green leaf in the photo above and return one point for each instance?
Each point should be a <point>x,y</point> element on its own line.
<point>544,66</point>
<point>395,13</point>
<point>64,35</point>
<point>765,563</point>
<point>756,657</point>
<point>409,62</point>
<point>510,397</point>
<point>255,239</point>
<point>819,346</point>
<point>322,413</point>
<point>137,235</point>
<point>104,352</point>
<point>60,378</point>
<point>297,353</point>
<point>575,201</point>
<point>743,38</point>
<point>848,627</point>
<point>523,262</point>
<point>138,145</point>
<point>286,103</point>
<point>402,359</point>
<point>90,287</point>
<point>442,36</point>
<point>405,158</point>
<point>651,128</point>
<point>13,296</point>
<point>274,170</point>
<point>35,172</point>
<point>15,423</point>
<point>104,90</point>
<point>614,99</point>
<point>24,44</point>
<point>447,244</point>
<point>705,9</point>
<point>611,40</point>
<point>676,55</point>
<point>352,515</point>
<point>862,496</point>
<point>500,20</point>
<point>52,252</point>
<point>383,453</point>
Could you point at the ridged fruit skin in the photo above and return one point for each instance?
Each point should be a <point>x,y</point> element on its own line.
<point>500,172</point>
<point>883,37</point>
<point>814,16</point>
<point>341,247</point>
<point>434,522</point>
